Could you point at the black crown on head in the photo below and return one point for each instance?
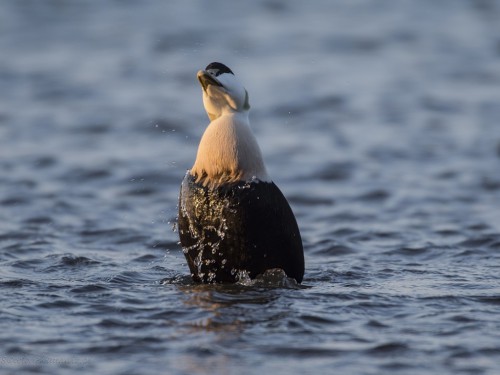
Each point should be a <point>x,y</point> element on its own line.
<point>218,68</point>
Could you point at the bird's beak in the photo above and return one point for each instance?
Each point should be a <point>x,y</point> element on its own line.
<point>207,79</point>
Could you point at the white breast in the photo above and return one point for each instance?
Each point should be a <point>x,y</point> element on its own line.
<point>228,152</point>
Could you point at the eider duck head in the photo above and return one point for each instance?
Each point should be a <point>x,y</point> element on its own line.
<point>222,92</point>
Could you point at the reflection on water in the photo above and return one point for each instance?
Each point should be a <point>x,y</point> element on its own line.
<point>233,307</point>
<point>228,315</point>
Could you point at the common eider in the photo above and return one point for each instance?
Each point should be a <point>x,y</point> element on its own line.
<point>232,217</point>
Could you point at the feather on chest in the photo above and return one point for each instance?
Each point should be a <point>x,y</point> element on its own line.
<point>228,152</point>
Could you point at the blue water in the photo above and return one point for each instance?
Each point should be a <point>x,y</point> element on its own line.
<point>380,122</point>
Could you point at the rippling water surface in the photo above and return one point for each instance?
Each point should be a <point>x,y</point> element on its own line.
<point>380,121</point>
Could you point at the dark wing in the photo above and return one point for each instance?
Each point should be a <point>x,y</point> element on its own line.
<point>242,226</point>
<point>272,228</point>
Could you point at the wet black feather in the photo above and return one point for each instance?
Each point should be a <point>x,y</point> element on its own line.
<point>242,226</point>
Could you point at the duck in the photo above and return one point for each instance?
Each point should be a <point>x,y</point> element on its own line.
<point>233,220</point>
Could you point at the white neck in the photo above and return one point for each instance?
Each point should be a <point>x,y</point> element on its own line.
<point>228,152</point>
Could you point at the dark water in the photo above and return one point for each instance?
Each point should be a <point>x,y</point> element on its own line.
<point>380,121</point>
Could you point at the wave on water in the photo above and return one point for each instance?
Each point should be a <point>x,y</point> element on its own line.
<point>378,120</point>
<point>273,278</point>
